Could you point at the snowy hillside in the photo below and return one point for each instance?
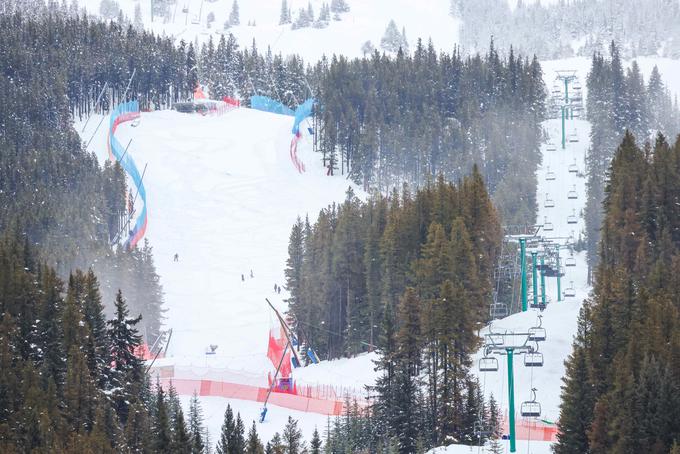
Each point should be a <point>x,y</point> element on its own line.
<point>366,21</point>
<point>223,194</point>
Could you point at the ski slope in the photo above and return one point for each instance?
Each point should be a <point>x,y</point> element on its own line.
<point>559,318</point>
<point>223,195</point>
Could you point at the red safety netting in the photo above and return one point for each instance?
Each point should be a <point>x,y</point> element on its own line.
<point>529,429</point>
<point>188,387</point>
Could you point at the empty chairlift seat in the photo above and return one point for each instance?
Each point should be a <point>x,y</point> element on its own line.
<point>547,225</point>
<point>488,364</point>
<point>496,339</point>
<point>533,359</point>
<point>498,310</point>
<point>573,168</point>
<point>570,291</point>
<point>573,137</point>
<point>531,408</point>
<point>572,194</point>
<point>549,203</point>
<point>572,219</point>
<point>551,147</point>
<point>537,333</point>
<point>570,261</point>
<point>549,175</point>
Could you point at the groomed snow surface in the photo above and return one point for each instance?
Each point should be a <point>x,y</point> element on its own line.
<point>366,21</point>
<point>223,195</point>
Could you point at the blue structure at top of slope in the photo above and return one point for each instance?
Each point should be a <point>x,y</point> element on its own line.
<point>303,111</point>
<point>268,104</point>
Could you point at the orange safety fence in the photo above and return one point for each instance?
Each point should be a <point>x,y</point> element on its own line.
<point>530,429</point>
<point>253,393</point>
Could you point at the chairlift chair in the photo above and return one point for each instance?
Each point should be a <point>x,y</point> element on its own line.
<point>533,359</point>
<point>488,364</point>
<point>549,175</point>
<point>496,339</point>
<point>498,310</point>
<point>531,408</point>
<point>570,261</point>
<point>572,195</point>
<point>572,219</point>
<point>537,333</point>
<point>570,291</point>
<point>573,168</point>
<point>551,147</point>
<point>547,226</point>
<point>538,305</point>
<point>549,203</point>
<point>185,9</point>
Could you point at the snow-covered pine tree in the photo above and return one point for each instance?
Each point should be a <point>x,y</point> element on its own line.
<point>339,6</point>
<point>253,444</point>
<point>109,9</point>
<point>284,17</point>
<point>367,48</point>
<point>234,16</point>
<point>195,425</point>
<point>292,438</point>
<point>392,39</point>
<point>126,371</point>
<point>404,41</point>
<point>227,432</point>
<point>315,443</point>
<point>137,21</point>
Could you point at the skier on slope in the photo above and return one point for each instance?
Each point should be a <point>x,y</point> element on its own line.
<point>176,257</point>
<point>243,278</point>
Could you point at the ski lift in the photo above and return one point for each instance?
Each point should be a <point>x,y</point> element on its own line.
<point>488,364</point>
<point>195,20</point>
<point>549,203</point>
<point>573,168</point>
<point>577,85</point>
<point>570,261</point>
<point>549,175</point>
<point>572,219</point>
<point>551,147</point>
<point>537,333</point>
<point>496,339</point>
<point>498,310</point>
<point>570,291</point>
<point>538,305</point>
<point>547,226</point>
<point>573,137</point>
<point>531,408</point>
<point>533,359</point>
<point>185,9</point>
<point>572,195</point>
